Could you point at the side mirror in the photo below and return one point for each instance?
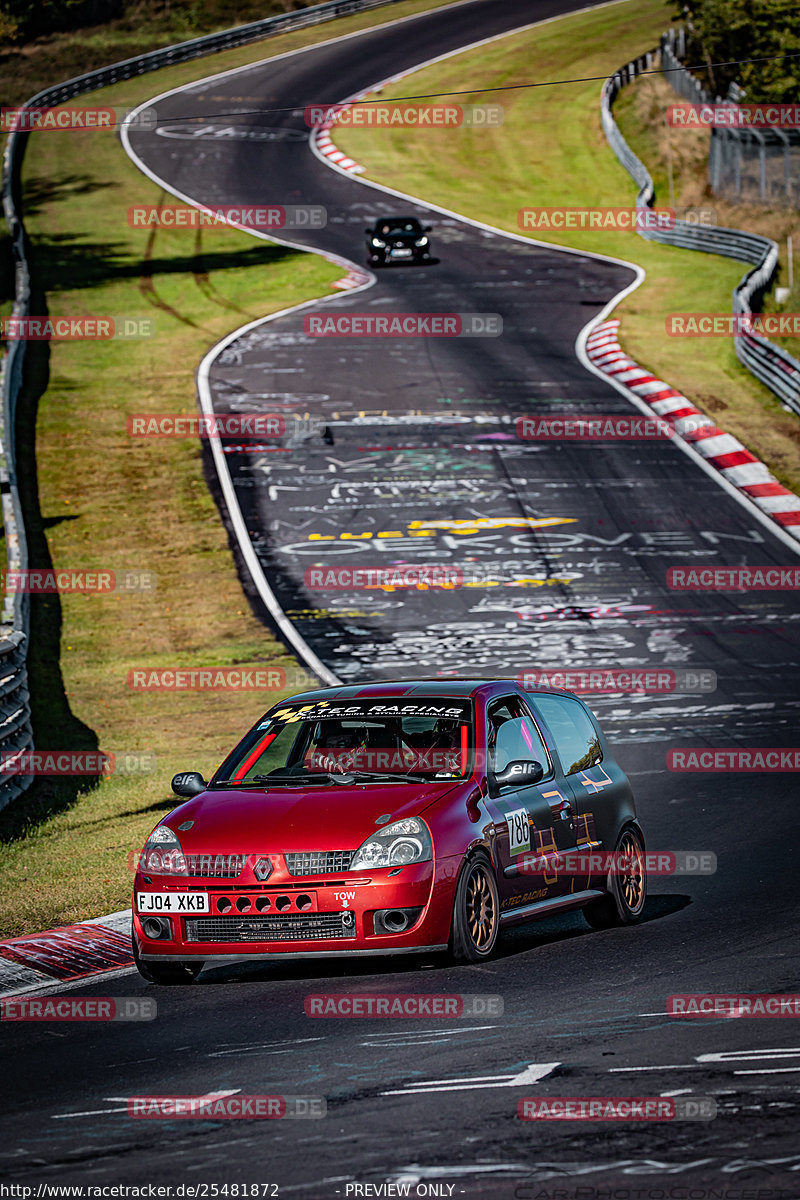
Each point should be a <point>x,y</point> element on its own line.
<point>188,783</point>
<point>427,229</point>
<point>520,771</point>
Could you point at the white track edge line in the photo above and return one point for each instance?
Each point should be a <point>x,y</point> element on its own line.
<point>257,573</point>
<point>580,351</point>
<point>265,591</point>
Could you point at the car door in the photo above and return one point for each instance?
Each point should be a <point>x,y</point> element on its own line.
<point>525,834</point>
<point>592,788</point>
<point>558,794</point>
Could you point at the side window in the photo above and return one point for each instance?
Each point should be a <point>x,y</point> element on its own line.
<point>573,732</point>
<point>513,734</point>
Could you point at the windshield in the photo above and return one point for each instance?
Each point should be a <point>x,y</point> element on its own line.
<point>400,225</point>
<point>327,742</point>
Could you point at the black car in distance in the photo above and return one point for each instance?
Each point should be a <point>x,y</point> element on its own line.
<point>397,239</point>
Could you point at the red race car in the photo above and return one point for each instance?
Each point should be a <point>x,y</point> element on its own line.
<point>390,818</point>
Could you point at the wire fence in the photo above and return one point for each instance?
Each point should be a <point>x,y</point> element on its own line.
<point>750,165</point>
<point>769,363</point>
<point>15,714</point>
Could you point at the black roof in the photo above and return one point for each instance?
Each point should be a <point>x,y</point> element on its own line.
<point>376,689</point>
<point>388,220</point>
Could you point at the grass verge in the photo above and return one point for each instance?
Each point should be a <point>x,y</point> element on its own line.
<point>551,151</point>
<point>98,499</point>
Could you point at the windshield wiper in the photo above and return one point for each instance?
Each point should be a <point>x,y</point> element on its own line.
<point>302,777</point>
<point>414,776</point>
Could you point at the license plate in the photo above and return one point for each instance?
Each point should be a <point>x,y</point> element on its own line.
<point>400,253</point>
<point>172,902</point>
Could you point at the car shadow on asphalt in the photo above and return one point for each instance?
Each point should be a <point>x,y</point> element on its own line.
<point>403,266</point>
<point>512,942</point>
<point>532,936</point>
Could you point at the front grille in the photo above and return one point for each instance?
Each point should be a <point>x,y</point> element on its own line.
<point>319,862</point>
<point>297,927</point>
<point>215,866</point>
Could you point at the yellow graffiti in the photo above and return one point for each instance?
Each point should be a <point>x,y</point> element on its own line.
<point>465,527</point>
<point>477,524</point>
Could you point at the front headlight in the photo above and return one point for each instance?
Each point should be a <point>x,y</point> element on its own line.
<point>423,241</point>
<point>406,841</point>
<point>378,242</point>
<point>163,853</point>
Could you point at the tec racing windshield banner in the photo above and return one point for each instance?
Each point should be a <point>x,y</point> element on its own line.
<point>375,710</point>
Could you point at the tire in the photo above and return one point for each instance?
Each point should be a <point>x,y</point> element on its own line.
<point>625,900</point>
<point>170,974</point>
<point>476,912</point>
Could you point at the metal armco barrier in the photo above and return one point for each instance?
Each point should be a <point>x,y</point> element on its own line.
<point>772,365</point>
<point>15,713</point>
<point>15,717</point>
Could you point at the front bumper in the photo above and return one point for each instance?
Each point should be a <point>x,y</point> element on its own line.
<point>418,254</point>
<point>313,917</point>
<point>218,959</point>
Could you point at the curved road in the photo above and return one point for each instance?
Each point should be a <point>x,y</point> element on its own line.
<point>584,1013</point>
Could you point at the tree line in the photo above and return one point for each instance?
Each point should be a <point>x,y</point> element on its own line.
<point>734,31</point>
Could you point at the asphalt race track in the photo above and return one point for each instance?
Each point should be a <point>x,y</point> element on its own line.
<point>417,440</point>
